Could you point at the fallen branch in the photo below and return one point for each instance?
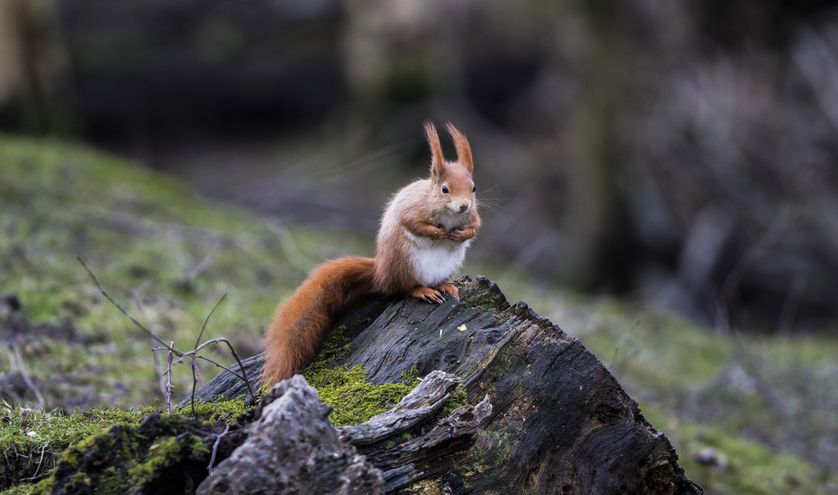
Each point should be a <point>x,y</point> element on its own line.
<point>170,347</point>
<point>215,448</point>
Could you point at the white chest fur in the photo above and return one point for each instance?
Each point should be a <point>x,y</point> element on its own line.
<point>435,261</point>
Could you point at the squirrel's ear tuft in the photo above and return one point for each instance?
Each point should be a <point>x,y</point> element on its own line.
<point>462,145</point>
<point>437,158</point>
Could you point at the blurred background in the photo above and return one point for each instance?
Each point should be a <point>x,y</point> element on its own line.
<point>685,154</point>
<point>679,156</point>
<point>682,153</point>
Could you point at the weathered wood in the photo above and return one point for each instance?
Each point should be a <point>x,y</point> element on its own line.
<point>293,448</point>
<point>558,420</point>
<point>431,454</point>
<point>417,406</point>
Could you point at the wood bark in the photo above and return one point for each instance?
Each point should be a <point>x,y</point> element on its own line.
<point>543,414</point>
<point>292,448</point>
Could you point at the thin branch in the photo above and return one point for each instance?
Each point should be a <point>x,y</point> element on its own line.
<point>235,356</point>
<point>193,354</point>
<point>194,386</point>
<point>215,446</point>
<point>207,319</point>
<point>123,311</point>
<point>169,388</point>
<point>228,370</point>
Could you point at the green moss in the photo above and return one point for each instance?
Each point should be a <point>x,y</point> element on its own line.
<point>123,435</point>
<point>112,461</point>
<point>40,438</point>
<point>197,447</point>
<point>42,487</point>
<point>114,481</point>
<point>164,452</point>
<point>353,398</point>
<point>225,410</point>
<point>458,399</point>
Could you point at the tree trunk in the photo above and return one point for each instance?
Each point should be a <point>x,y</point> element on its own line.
<point>543,415</point>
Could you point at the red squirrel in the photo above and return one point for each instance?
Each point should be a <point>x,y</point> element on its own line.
<point>425,231</point>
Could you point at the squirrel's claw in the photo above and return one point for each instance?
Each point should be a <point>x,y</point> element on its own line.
<point>427,294</point>
<point>449,289</point>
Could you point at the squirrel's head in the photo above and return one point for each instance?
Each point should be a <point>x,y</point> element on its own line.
<point>452,183</point>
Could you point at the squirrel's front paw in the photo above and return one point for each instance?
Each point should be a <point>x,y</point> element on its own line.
<point>440,233</point>
<point>427,294</point>
<point>460,235</point>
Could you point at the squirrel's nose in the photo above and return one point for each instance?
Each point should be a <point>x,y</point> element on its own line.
<point>463,207</point>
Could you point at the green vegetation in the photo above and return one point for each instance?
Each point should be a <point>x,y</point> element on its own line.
<point>741,466</point>
<point>162,252</point>
<point>33,440</point>
<point>122,457</point>
<point>164,452</point>
<point>168,255</point>
<point>226,410</point>
<point>458,399</point>
<point>38,440</point>
<point>42,487</point>
<point>352,397</point>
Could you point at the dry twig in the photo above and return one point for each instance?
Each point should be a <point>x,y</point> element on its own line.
<point>169,387</point>
<point>172,351</point>
<point>215,447</point>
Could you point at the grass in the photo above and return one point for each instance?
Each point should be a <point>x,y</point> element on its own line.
<point>158,249</point>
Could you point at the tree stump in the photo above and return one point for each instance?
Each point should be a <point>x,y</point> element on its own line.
<point>543,415</point>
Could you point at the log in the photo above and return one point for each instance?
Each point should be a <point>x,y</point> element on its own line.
<point>293,448</point>
<point>543,415</point>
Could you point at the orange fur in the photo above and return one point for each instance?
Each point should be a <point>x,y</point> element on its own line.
<point>301,321</point>
<point>421,223</point>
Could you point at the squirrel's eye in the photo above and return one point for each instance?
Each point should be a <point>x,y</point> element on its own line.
<point>473,188</point>
<point>445,190</point>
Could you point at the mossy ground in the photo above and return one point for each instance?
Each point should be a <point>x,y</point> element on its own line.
<point>36,440</point>
<point>164,451</point>
<point>168,255</point>
<point>163,253</point>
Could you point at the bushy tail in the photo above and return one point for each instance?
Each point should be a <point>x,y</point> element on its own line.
<point>301,322</point>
